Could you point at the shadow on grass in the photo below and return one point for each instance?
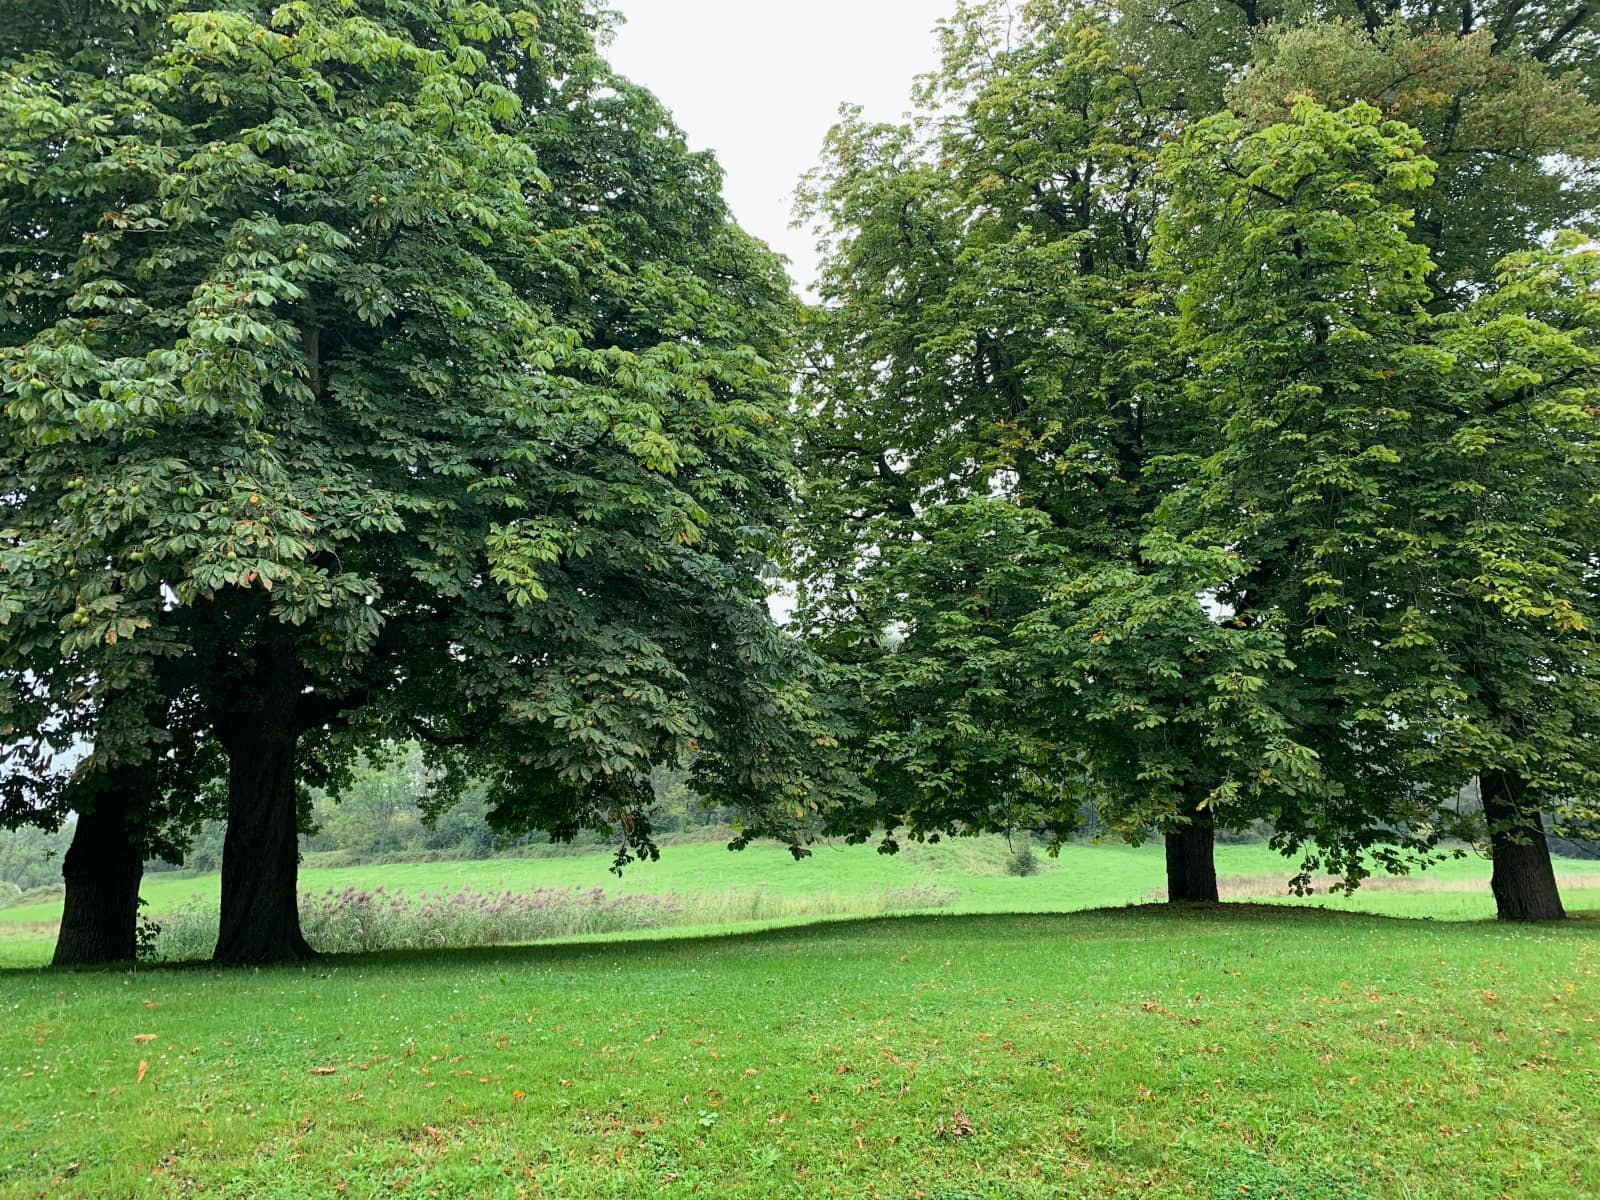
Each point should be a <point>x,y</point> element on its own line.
<point>1130,921</point>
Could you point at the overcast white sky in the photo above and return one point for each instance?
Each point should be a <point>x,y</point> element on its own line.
<point>760,81</point>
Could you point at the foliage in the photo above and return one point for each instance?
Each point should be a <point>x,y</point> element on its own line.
<point>1212,45</point>
<point>387,810</point>
<point>383,369</point>
<point>31,858</point>
<point>147,936</point>
<point>1516,483</point>
<point>1514,143</point>
<point>1023,861</point>
<point>1412,496</point>
<point>1503,92</point>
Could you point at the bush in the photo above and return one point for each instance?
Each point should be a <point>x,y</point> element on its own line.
<point>1023,861</point>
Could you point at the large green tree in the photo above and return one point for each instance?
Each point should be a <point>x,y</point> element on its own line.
<point>1410,495</point>
<point>393,368</point>
<point>999,548</point>
<point>1503,96</point>
<point>997,410</point>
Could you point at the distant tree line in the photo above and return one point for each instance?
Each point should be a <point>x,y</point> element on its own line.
<point>387,811</point>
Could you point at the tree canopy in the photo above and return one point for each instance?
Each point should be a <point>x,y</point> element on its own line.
<point>1130,426</point>
<point>388,368</point>
<point>1197,424</point>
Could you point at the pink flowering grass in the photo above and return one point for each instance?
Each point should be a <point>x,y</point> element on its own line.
<point>360,920</point>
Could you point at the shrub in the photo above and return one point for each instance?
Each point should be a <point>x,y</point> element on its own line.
<point>146,936</point>
<point>1023,861</point>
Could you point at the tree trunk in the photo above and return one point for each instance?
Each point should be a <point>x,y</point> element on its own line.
<point>102,870</point>
<point>1524,879</point>
<point>1191,863</point>
<point>260,916</point>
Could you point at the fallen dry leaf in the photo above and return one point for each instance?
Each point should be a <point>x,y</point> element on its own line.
<point>143,1067</point>
<point>324,1070</point>
<point>144,1037</point>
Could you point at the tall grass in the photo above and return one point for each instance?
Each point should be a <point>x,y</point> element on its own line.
<point>360,920</point>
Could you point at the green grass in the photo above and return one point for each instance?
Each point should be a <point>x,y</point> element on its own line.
<point>1226,1053</point>
<point>1083,877</point>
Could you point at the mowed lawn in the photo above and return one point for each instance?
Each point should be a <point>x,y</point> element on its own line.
<point>1234,1052</point>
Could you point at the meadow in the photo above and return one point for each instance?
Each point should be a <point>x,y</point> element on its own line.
<point>698,886</point>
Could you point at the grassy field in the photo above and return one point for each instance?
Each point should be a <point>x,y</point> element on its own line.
<point>986,1054</point>
<point>839,880</point>
<point>1234,1052</point>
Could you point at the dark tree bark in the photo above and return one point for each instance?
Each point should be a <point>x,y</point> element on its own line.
<point>260,915</point>
<point>1191,861</point>
<point>102,870</point>
<point>1524,879</point>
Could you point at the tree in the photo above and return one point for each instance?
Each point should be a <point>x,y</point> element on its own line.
<point>392,367</point>
<point>997,411</point>
<point>1303,304</point>
<point>30,858</point>
<point>63,756</point>
<point>1002,393</point>
<point>132,805</point>
<point>1504,97</point>
<point>1410,496</point>
<point>1518,482</point>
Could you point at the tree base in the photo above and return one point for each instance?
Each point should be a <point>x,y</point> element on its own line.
<point>1191,861</point>
<point>260,948</point>
<point>1524,879</point>
<point>1524,883</point>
